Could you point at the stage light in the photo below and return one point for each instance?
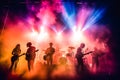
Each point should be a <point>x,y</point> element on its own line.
<point>59,36</point>
<point>38,36</point>
<point>42,35</point>
<point>63,55</point>
<point>77,34</point>
<point>69,14</point>
<point>93,18</point>
<point>34,33</point>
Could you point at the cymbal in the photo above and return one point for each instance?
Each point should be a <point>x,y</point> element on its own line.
<point>63,51</point>
<point>71,47</point>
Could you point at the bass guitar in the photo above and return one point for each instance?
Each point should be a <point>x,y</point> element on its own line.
<point>15,57</point>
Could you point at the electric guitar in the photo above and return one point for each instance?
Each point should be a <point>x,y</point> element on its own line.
<point>46,56</point>
<point>15,57</point>
<point>82,55</point>
<point>48,53</point>
<point>87,53</point>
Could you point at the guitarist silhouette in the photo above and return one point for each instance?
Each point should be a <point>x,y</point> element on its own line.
<point>49,54</point>
<point>95,58</point>
<point>15,58</point>
<point>30,55</point>
<point>79,56</point>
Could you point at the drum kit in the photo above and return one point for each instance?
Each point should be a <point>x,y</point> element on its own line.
<point>62,59</point>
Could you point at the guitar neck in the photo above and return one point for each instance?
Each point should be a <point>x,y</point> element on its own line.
<point>37,50</point>
<point>87,53</point>
<point>21,54</point>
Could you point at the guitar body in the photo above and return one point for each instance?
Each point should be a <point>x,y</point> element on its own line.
<point>45,57</point>
<point>15,57</point>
